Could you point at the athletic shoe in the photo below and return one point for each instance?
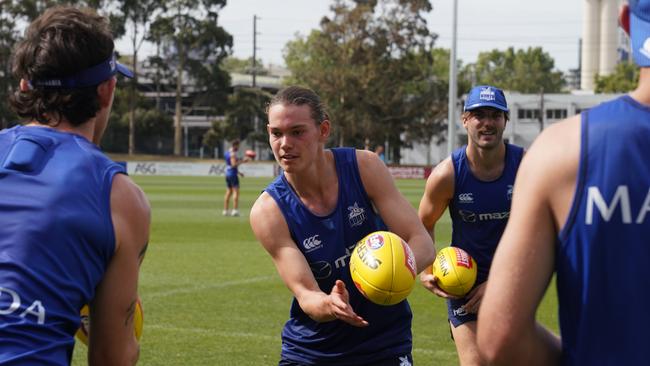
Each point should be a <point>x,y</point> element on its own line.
<point>235,213</point>
<point>225,213</point>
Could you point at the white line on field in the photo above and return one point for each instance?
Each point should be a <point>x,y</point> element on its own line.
<point>185,289</point>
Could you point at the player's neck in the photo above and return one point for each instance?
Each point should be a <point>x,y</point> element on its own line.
<point>87,129</point>
<point>642,93</point>
<point>486,164</point>
<point>317,185</point>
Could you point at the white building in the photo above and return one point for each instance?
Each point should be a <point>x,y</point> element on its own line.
<point>604,43</point>
<point>525,123</point>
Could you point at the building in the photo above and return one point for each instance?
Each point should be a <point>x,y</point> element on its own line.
<point>526,122</point>
<point>604,44</point>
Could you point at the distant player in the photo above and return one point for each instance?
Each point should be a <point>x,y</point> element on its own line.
<point>309,220</point>
<point>475,182</point>
<point>74,228</point>
<point>232,178</point>
<point>580,208</point>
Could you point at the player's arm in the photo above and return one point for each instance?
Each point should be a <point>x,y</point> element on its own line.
<point>438,192</point>
<point>523,264</point>
<point>394,209</point>
<point>270,228</point>
<point>112,340</point>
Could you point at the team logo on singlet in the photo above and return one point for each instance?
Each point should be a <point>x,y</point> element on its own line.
<point>311,243</point>
<point>466,198</point>
<point>357,215</point>
<point>509,192</point>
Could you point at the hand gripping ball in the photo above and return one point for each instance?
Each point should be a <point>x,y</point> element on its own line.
<point>455,271</point>
<point>84,328</point>
<point>383,268</point>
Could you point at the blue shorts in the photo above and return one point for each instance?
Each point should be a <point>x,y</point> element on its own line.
<point>404,360</point>
<point>232,181</point>
<point>456,312</point>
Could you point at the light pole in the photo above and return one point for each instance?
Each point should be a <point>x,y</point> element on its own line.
<point>451,117</point>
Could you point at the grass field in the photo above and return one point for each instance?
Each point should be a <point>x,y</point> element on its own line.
<point>212,296</point>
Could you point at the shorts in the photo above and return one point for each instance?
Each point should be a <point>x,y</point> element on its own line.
<point>232,181</point>
<point>405,360</point>
<point>457,314</point>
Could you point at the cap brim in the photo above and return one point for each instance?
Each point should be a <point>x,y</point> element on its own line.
<point>124,70</point>
<point>486,104</point>
<point>640,40</point>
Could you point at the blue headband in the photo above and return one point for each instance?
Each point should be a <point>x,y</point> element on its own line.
<point>91,76</point>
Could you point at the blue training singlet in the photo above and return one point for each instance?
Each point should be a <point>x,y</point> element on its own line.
<point>231,171</point>
<point>602,261</point>
<point>480,210</point>
<point>327,242</point>
<point>56,239</point>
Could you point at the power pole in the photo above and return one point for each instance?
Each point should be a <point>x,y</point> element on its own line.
<point>256,121</point>
<point>254,51</point>
<point>451,107</point>
<point>541,109</point>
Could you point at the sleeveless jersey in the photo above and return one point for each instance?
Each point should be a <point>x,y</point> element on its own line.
<point>602,257</point>
<point>479,210</point>
<point>56,239</point>
<point>327,242</point>
<point>231,171</point>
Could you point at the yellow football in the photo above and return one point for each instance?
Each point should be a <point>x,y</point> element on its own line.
<point>455,271</point>
<point>383,268</point>
<point>84,328</point>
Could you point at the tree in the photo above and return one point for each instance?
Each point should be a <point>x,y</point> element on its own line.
<point>195,43</point>
<point>13,15</point>
<point>246,106</point>
<point>624,79</point>
<point>243,66</point>
<point>525,71</point>
<point>372,65</point>
<point>137,15</point>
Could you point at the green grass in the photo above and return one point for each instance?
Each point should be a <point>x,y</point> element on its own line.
<point>212,296</point>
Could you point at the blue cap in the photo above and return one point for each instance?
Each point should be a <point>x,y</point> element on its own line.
<point>486,96</point>
<point>94,75</point>
<point>640,31</point>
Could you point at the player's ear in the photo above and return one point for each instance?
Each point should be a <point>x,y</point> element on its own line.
<point>325,128</point>
<point>24,85</point>
<point>624,18</point>
<point>105,92</point>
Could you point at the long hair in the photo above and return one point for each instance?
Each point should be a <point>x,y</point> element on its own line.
<point>59,43</point>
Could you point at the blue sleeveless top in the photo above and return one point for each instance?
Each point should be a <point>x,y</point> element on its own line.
<point>56,239</point>
<point>603,275</point>
<point>326,242</point>
<point>231,171</point>
<point>480,210</point>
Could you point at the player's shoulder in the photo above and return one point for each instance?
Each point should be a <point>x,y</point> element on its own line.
<point>443,172</point>
<point>264,210</point>
<point>556,150</point>
<point>125,194</point>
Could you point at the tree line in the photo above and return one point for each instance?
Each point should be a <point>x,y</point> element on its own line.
<point>374,63</point>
